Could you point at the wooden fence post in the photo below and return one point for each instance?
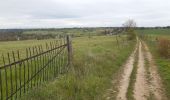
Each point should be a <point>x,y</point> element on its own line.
<point>117,42</point>
<point>69,48</point>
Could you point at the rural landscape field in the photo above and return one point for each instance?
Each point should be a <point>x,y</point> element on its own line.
<point>84,50</point>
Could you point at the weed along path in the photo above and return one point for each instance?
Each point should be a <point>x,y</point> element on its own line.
<point>139,78</point>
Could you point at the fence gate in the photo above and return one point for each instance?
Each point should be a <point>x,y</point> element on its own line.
<point>19,73</point>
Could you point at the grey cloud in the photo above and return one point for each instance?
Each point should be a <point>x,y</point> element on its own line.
<point>72,13</point>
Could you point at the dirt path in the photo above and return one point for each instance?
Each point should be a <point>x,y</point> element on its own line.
<point>147,85</point>
<point>156,86</point>
<point>124,82</point>
<point>141,91</point>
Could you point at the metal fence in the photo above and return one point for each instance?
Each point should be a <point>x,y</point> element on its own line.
<point>19,75</point>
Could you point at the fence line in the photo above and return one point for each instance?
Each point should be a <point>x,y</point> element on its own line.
<point>18,76</point>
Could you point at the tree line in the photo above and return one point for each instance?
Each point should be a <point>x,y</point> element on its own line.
<point>16,34</point>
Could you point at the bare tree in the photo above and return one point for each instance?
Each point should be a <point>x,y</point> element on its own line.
<point>129,28</point>
<point>129,24</point>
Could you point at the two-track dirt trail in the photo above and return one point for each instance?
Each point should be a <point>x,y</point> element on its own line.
<point>147,84</point>
<point>141,87</point>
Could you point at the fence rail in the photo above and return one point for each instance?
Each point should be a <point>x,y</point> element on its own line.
<point>19,75</point>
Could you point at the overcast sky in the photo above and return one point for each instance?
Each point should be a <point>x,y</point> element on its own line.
<point>82,13</point>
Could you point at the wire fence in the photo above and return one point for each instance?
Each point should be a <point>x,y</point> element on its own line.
<point>19,75</point>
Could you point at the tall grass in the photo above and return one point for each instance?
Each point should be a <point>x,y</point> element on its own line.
<point>95,62</point>
<point>164,47</point>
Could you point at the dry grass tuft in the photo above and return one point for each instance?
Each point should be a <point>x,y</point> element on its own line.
<point>164,47</point>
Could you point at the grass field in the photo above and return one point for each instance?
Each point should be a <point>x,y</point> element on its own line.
<point>95,62</point>
<point>71,31</point>
<point>154,31</point>
<point>8,47</point>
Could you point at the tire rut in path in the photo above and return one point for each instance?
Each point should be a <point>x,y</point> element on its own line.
<point>124,82</point>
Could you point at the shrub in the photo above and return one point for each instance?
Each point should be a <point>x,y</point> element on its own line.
<point>131,34</point>
<point>164,47</point>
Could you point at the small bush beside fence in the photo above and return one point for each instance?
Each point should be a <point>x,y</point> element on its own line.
<point>17,76</point>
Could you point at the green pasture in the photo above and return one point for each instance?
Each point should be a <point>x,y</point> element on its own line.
<point>95,63</point>
<point>154,31</point>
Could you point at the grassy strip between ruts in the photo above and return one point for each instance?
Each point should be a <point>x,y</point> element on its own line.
<point>132,81</point>
<point>94,64</point>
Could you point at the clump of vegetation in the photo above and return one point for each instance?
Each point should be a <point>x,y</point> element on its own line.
<point>129,26</point>
<point>164,47</point>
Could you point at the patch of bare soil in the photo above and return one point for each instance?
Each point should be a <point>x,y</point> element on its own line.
<point>124,81</point>
<point>141,88</point>
<point>156,86</point>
